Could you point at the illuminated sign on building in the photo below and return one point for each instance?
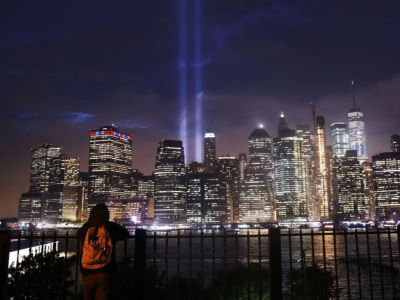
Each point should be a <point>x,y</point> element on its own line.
<point>127,137</point>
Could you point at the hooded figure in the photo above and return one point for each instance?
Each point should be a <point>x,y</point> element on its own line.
<point>96,282</point>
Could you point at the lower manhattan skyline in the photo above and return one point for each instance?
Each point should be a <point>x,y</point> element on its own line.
<point>72,68</point>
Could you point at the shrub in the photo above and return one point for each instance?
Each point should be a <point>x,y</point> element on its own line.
<point>318,283</point>
<point>46,276</point>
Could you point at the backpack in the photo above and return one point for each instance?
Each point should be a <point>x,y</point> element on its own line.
<point>97,248</point>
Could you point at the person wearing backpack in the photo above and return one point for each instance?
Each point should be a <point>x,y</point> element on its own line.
<point>99,237</point>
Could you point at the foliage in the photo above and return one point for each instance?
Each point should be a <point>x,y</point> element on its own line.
<point>240,283</point>
<point>316,283</point>
<point>46,276</point>
<point>124,281</point>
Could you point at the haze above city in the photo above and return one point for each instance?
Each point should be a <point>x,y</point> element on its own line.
<point>69,68</point>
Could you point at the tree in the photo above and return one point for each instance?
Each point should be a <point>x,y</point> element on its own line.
<point>41,276</point>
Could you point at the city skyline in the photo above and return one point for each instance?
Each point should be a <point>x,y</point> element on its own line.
<point>66,74</point>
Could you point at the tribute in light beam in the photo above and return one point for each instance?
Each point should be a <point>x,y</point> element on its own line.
<point>182,65</point>
<point>198,81</point>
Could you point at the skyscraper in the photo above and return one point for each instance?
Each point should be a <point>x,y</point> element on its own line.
<point>30,207</point>
<point>228,170</point>
<point>146,186</point>
<point>290,174</point>
<point>42,164</point>
<point>169,182</point>
<point>110,160</point>
<point>256,203</point>
<point>210,157</point>
<point>83,196</point>
<point>206,199</point>
<point>340,139</point>
<point>322,171</point>
<point>242,165</point>
<point>37,205</point>
<point>283,128</point>
<point>70,187</point>
<point>195,167</point>
<point>308,149</point>
<point>356,129</point>
<point>386,171</point>
<point>351,190</point>
<point>395,143</point>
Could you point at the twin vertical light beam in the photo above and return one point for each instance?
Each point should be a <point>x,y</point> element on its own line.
<point>198,93</point>
<point>182,65</point>
<point>198,80</point>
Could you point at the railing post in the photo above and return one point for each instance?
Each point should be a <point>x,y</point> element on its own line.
<point>4,256</point>
<point>140,262</point>
<point>275,263</point>
<point>398,239</point>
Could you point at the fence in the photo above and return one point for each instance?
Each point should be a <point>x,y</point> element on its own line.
<point>252,264</point>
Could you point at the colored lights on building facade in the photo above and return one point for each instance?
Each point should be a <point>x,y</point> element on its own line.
<point>127,137</point>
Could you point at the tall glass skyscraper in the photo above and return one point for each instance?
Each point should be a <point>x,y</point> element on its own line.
<point>206,199</point>
<point>70,187</point>
<point>210,158</point>
<point>110,164</point>
<point>42,165</point>
<point>351,190</point>
<point>44,176</point>
<point>228,169</point>
<point>322,171</point>
<point>356,129</point>
<point>256,203</point>
<point>308,149</point>
<point>170,183</point>
<point>340,139</point>
<point>386,172</point>
<point>290,175</point>
<point>53,190</point>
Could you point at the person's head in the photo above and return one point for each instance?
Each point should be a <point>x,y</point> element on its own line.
<point>99,214</point>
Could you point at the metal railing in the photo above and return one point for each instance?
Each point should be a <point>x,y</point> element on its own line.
<point>253,264</point>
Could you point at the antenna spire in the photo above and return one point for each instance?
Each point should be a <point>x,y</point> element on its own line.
<point>353,93</point>
<point>313,114</point>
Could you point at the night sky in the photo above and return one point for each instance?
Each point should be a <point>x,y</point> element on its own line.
<point>68,67</point>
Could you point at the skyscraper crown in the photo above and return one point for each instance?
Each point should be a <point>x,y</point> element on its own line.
<point>259,133</point>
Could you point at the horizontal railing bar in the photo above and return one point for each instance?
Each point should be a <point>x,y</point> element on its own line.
<point>217,235</point>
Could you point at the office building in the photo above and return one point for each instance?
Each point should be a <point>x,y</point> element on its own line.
<point>206,199</point>
<point>323,189</point>
<point>195,197</point>
<point>137,209</point>
<point>30,207</point>
<point>256,203</point>
<point>340,139</point>
<point>290,175</point>
<point>195,168</point>
<point>370,189</point>
<point>242,165</point>
<point>110,159</point>
<point>70,187</point>
<point>146,186</point>
<point>210,156</point>
<point>83,196</point>
<point>386,172</point>
<point>170,183</point>
<point>356,129</point>
<point>229,170</point>
<point>308,152</point>
<point>352,203</point>
<point>37,204</point>
<point>395,143</point>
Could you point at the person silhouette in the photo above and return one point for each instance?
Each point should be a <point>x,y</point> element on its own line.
<point>99,237</point>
